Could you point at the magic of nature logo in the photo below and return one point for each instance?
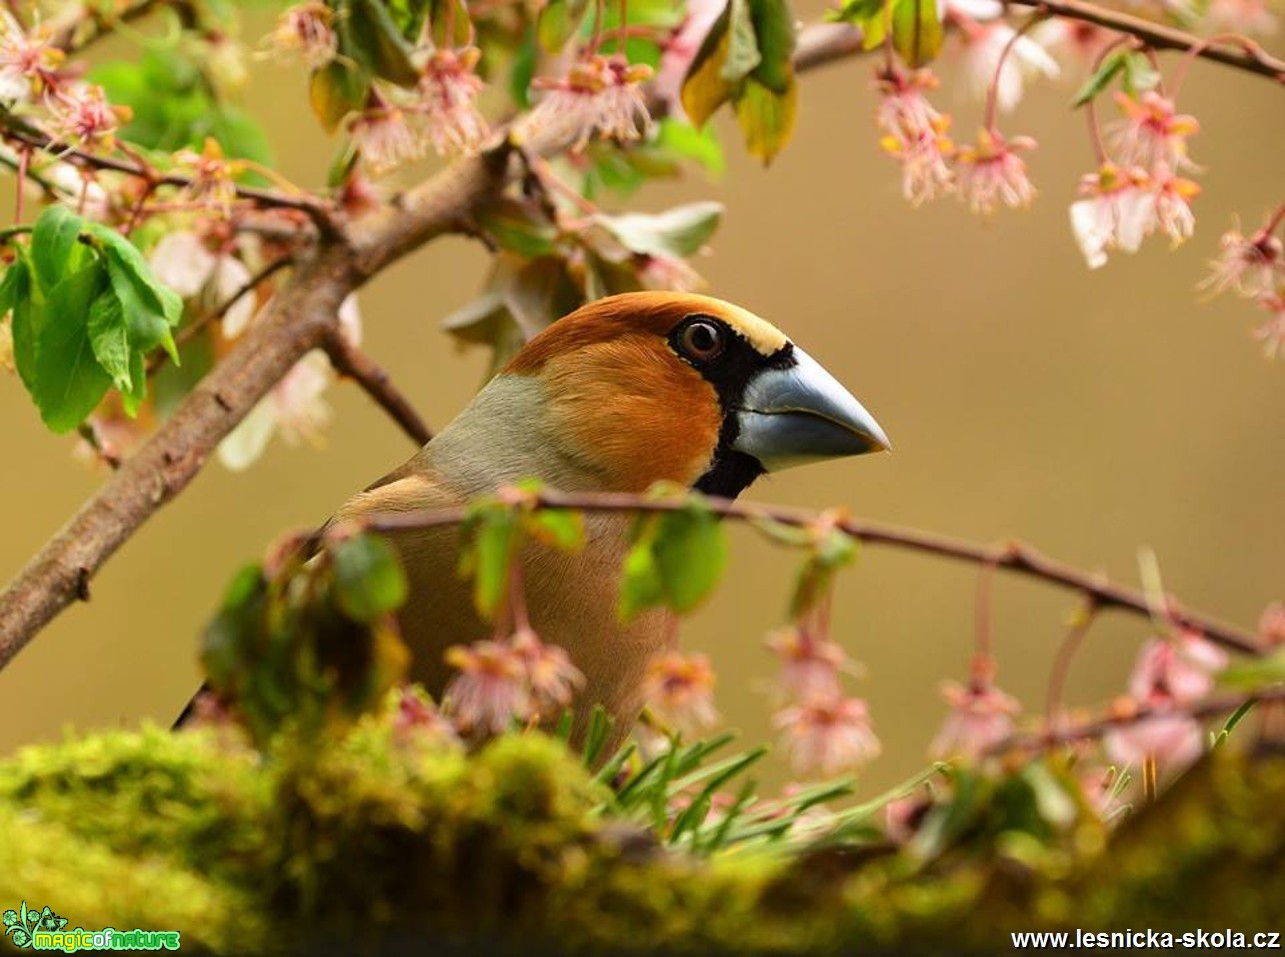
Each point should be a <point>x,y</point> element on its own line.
<point>28,927</point>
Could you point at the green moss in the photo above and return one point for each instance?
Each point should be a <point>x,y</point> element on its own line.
<point>373,836</point>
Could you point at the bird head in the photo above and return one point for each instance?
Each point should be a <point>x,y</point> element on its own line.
<point>652,386</point>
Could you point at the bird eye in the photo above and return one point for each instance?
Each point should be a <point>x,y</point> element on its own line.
<point>701,340</point>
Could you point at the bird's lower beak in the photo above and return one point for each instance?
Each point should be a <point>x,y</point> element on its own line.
<point>800,414</point>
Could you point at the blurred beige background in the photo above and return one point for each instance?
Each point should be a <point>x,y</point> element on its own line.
<point>1086,413</point>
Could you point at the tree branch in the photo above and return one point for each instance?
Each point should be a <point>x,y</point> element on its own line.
<point>1243,53</point>
<point>350,361</point>
<point>1011,556</point>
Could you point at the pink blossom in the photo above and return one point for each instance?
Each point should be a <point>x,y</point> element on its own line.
<point>182,260</point>
<point>1271,332</point>
<point>306,30</point>
<point>295,408</point>
<point>1174,740</point>
<point>680,50</point>
<point>810,664</point>
<point>1173,215</point>
<point>915,134</point>
<point>552,678</point>
<point>981,716</point>
<point>1251,267</point>
<point>983,46</point>
<point>679,689</point>
<point>1179,669</point>
<point>1242,16</point>
<point>827,736</point>
<point>448,100</point>
<point>993,173</point>
<point>1153,135</point>
<point>491,689</point>
<point>1117,212</point>
<point>601,96</point>
<point>213,178</point>
<point>384,138</point>
<point>29,62</point>
<point>85,118</point>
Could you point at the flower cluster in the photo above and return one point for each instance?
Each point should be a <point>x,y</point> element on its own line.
<point>823,731</point>
<point>981,716</point>
<point>1126,201</point>
<point>1170,673</point>
<point>506,680</point>
<point>986,176</point>
<point>600,96</point>
<point>1254,268</point>
<point>679,692</point>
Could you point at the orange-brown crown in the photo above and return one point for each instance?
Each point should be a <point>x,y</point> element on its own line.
<point>626,404</point>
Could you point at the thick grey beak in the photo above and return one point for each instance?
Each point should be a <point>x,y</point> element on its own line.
<point>802,414</point>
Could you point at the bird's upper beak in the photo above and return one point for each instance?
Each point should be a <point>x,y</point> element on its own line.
<point>799,414</point>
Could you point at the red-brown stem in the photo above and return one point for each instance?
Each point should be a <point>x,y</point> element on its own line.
<point>350,361</point>
<point>992,93</point>
<point>622,31</point>
<point>1062,662</point>
<point>1014,557</point>
<point>1274,223</point>
<point>982,669</point>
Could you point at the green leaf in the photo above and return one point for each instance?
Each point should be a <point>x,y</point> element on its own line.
<point>641,585</point>
<point>767,118</point>
<point>691,553</point>
<point>109,337</point>
<point>1107,70</point>
<point>519,227</point>
<point>742,48</point>
<point>489,555</point>
<point>336,90</point>
<point>410,17</point>
<point>459,18</point>
<point>704,90</point>
<point>371,36</point>
<point>1254,674</point>
<point>676,233</point>
<point>774,33</point>
<point>917,32</point>
<point>559,21</point>
<point>55,248</point>
<point>522,70</point>
<point>68,380</point>
<point>369,580</point>
<point>560,528</point>
<point>680,139</point>
<point>1139,75</point>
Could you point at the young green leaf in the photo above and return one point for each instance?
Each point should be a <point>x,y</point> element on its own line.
<point>677,233</point>
<point>1107,71</point>
<point>774,32</point>
<point>487,557</point>
<point>369,580</point>
<point>109,337</point>
<point>370,35</point>
<point>917,32</point>
<point>742,47</point>
<point>55,247</point>
<point>691,553</point>
<point>68,380</point>
<point>336,90</point>
<point>767,118</point>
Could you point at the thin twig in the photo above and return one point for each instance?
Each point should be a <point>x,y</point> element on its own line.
<point>1091,730</point>
<point>320,211</point>
<point>1013,556</point>
<point>350,361</point>
<point>1243,54</point>
<point>89,433</point>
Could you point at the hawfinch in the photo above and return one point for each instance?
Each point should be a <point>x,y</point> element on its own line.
<point>622,393</point>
